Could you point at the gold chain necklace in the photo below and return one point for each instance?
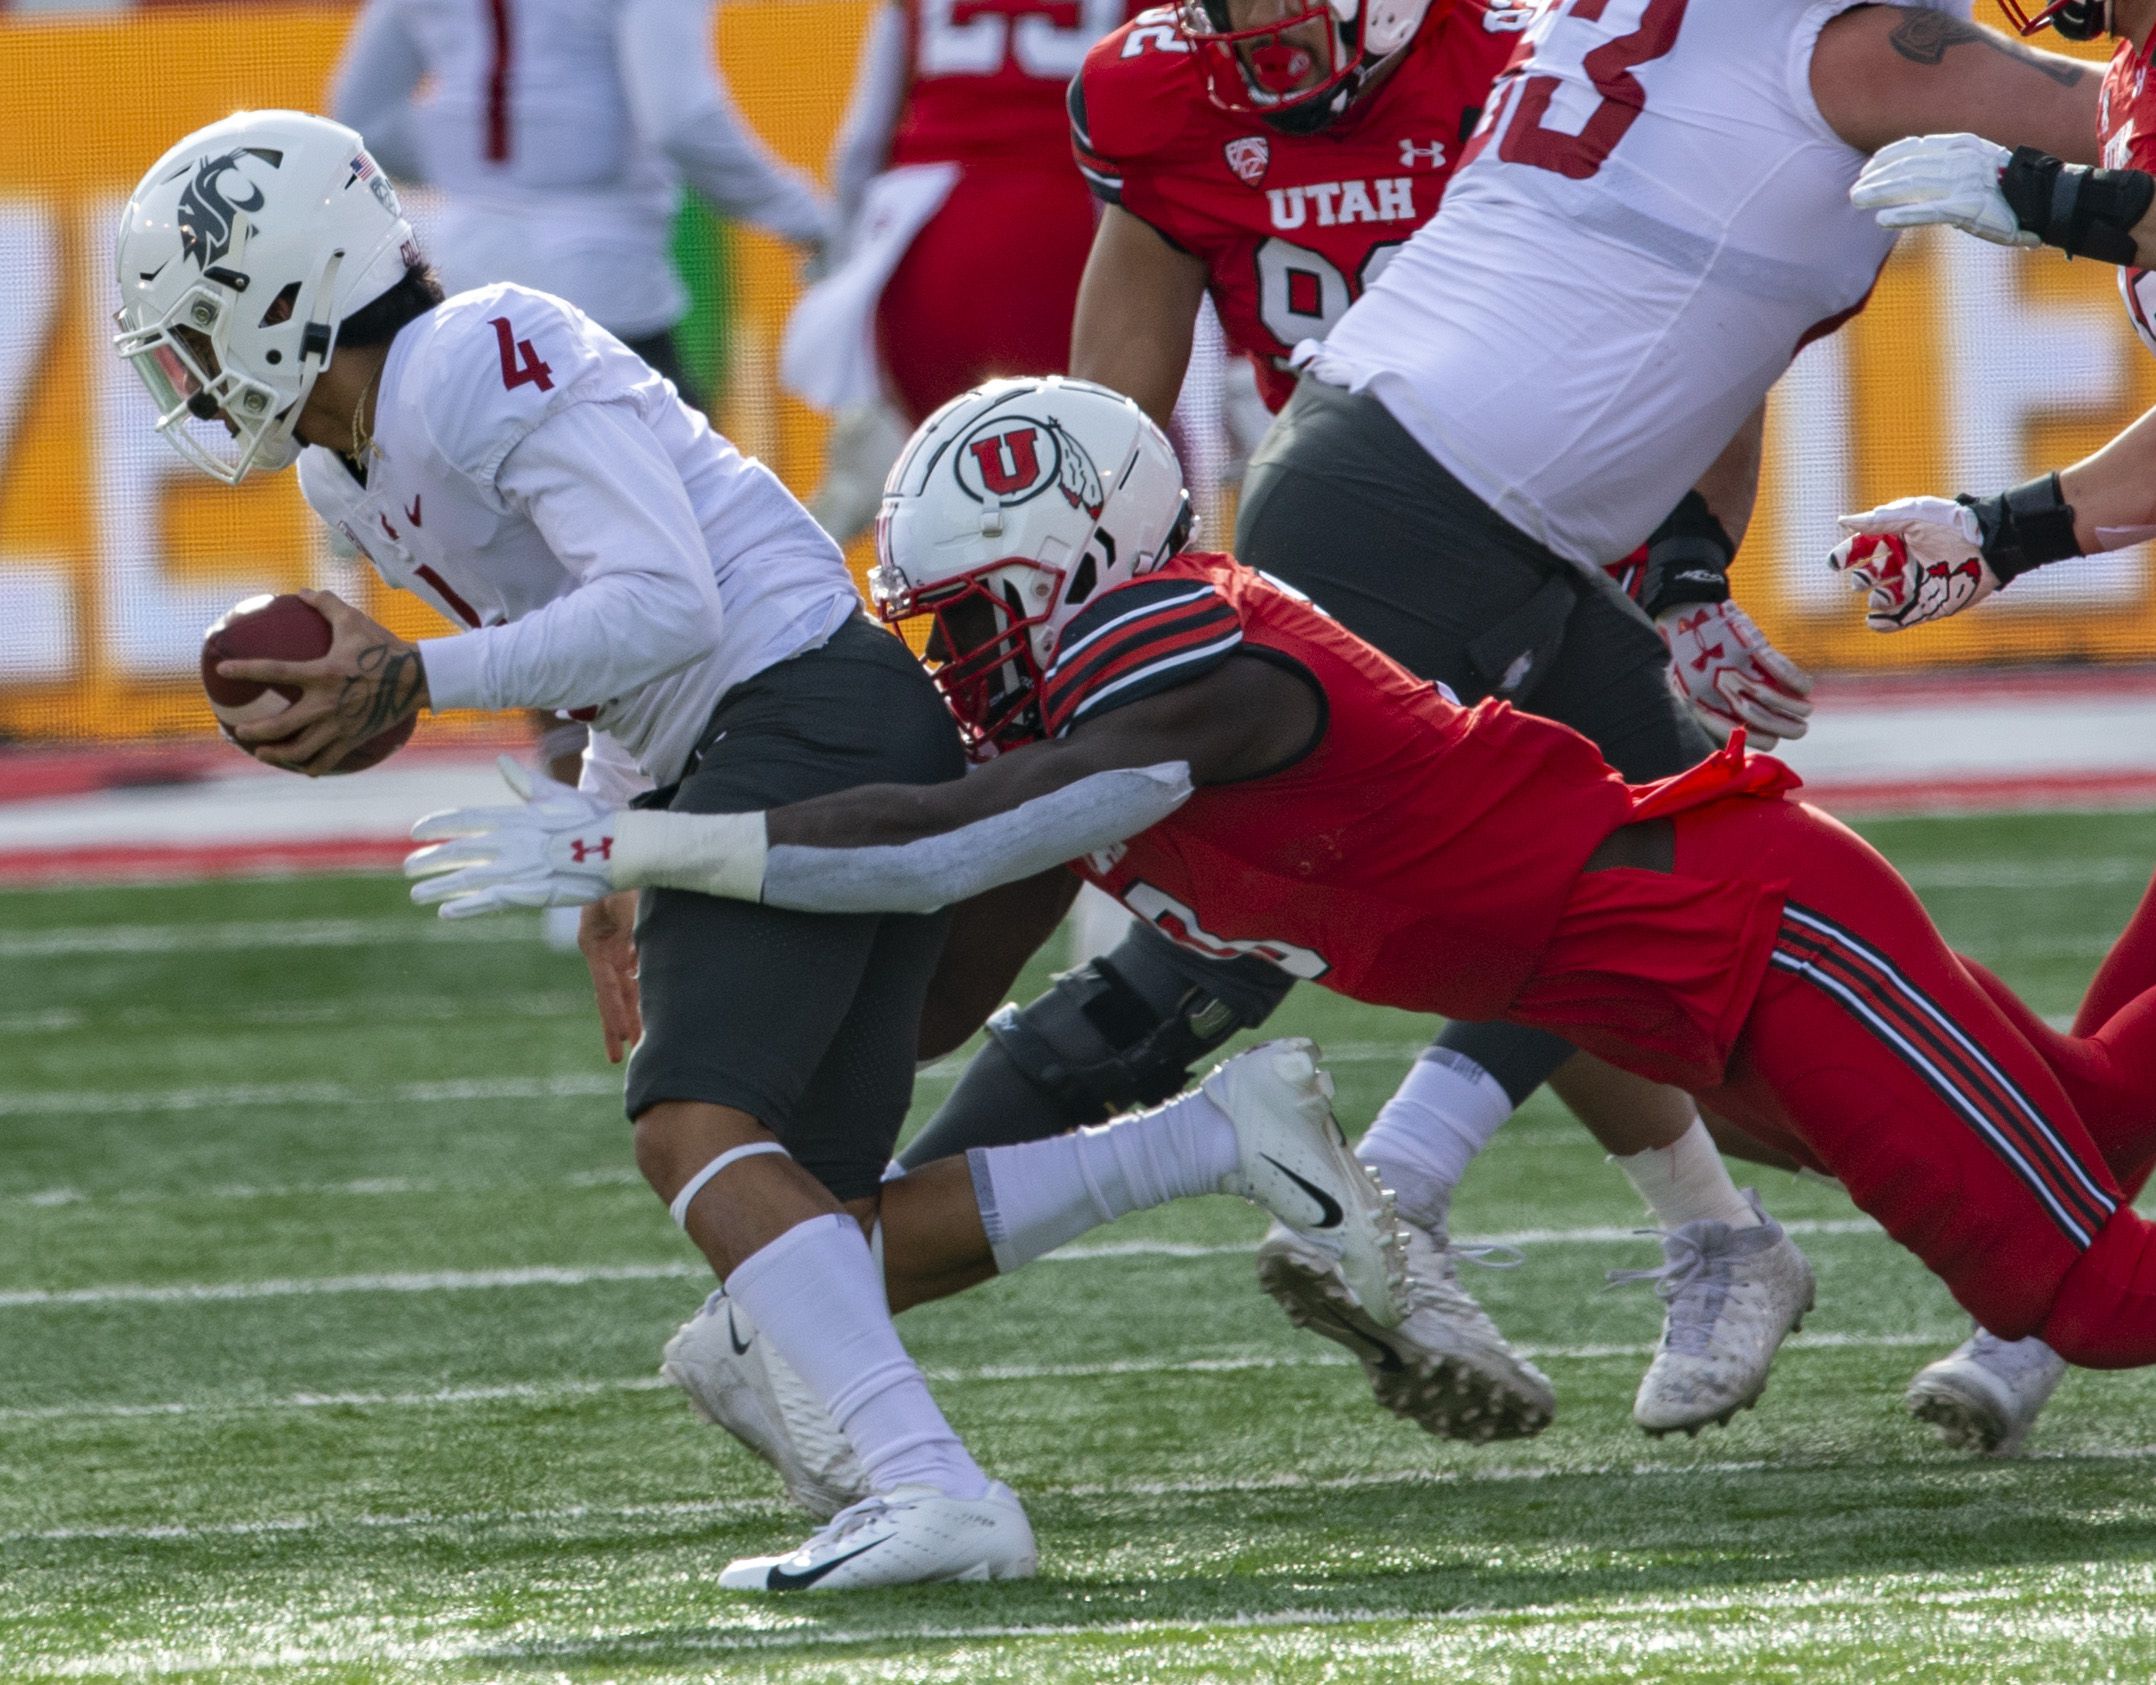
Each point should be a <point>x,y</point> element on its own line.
<point>362,439</point>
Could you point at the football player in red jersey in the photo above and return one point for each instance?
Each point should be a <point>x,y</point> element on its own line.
<point>1243,772</point>
<point>952,176</point>
<point>1276,155</point>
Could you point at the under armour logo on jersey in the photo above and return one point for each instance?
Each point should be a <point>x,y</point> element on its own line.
<point>206,212</point>
<point>1249,157</point>
<point>1433,155</point>
<point>1012,459</point>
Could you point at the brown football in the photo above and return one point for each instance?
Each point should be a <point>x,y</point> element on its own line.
<point>277,629</point>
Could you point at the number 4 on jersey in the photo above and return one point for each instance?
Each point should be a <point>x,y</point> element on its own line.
<point>520,363</point>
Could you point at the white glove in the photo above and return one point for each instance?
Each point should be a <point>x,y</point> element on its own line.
<point>1722,665</point>
<point>552,850</point>
<point>1952,179</point>
<point>1921,558</point>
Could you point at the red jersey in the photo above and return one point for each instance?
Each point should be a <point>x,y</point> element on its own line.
<point>2126,129</point>
<point>987,78</point>
<point>1418,856</point>
<point>1291,228</point>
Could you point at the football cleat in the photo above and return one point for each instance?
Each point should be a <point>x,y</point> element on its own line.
<point>1296,1163</point>
<point>911,1535</point>
<point>1986,1394</point>
<point>1731,1296</point>
<point>1444,1367</point>
<point>735,1379</point>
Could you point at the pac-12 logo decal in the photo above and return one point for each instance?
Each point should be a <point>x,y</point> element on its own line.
<point>1014,458</point>
<point>1249,157</point>
<point>206,211</point>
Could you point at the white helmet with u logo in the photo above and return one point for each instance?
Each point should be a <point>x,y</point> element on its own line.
<point>1028,498</point>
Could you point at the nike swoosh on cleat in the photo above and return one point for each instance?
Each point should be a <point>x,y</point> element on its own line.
<point>1329,1212</point>
<point>781,1580</point>
<point>733,1335</point>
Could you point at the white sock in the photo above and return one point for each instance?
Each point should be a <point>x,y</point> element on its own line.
<point>1429,1132</point>
<point>1687,1181</point>
<point>1035,1196</point>
<point>817,1295</point>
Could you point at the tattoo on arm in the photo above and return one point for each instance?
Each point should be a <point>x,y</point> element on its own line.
<point>382,692</point>
<point>1925,37</point>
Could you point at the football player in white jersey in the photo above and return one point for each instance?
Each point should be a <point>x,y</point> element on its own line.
<point>516,465</point>
<point>1484,426</point>
<point>560,134</point>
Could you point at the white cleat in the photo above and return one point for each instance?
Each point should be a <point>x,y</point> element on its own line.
<point>1732,1296</point>
<point>1445,1367</point>
<point>734,1378</point>
<point>909,1536</point>
<point>1986,1394</point>
<point>1296,1163</point>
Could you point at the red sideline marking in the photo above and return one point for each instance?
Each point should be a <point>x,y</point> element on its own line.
<point>1978,794</point>
<point>55,867</point>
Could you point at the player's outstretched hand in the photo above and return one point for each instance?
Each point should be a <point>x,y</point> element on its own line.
<point>369,681</point>
<point>550,850</point>
<point>1950,179</point>
<point>1918,558</point>
<point>1723,666</point>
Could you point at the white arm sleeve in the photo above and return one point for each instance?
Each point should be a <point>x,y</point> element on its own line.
<point>607,499</point>
<point>863,140</point>
<point>721,853</point>
<point>373,88</point>
<point>682,107</point>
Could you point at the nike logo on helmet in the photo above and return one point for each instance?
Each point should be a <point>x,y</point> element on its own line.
<point>1329,1212</point>
<point>782,1580</point>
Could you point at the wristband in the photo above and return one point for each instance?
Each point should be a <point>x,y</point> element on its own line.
<point>2085,212</point>
<point>1688,559</point>
<point>2024,527</point>
<point>711,853</point>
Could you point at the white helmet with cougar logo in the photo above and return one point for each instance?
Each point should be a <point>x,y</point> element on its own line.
<point>240,254</point>
<point>1012,507</point>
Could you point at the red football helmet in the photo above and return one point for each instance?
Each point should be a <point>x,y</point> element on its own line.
<point>1273,70</point>
<point>2076,20</point>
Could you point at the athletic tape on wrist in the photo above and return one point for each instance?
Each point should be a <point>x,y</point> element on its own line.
<point>710,853</point>
<point>679,1210</point>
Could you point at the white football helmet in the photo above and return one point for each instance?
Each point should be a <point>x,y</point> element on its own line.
<point>241,253</point>
<point>1014,506</point>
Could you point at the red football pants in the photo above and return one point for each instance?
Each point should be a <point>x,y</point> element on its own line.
<point>988,287</point>
<point>1995,1148</point>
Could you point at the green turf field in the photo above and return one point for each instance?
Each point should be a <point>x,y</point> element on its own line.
<point>330,1309</point>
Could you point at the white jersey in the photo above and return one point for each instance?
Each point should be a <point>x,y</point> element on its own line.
<point>559,133</point>
<point>536,482</point>
<point>1622,268</point>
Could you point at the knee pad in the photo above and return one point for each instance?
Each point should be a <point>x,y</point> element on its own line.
<point>1097,1044</point>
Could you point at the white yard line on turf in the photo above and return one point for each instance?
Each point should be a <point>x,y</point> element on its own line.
<point>1480,1474</point>
<point>550,1393</point>
<point>552,1275</point>
<point>76,940</point>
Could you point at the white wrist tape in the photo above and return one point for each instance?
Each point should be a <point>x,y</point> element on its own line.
<point>679,1210</point>
<point>710,853</point>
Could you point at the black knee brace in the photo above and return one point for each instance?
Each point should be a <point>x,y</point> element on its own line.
<point>1119,1032</point>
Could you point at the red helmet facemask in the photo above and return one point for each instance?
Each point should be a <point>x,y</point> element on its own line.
<point>992,682</point>
<point>2075,20</point>
<point>1259,71</point>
